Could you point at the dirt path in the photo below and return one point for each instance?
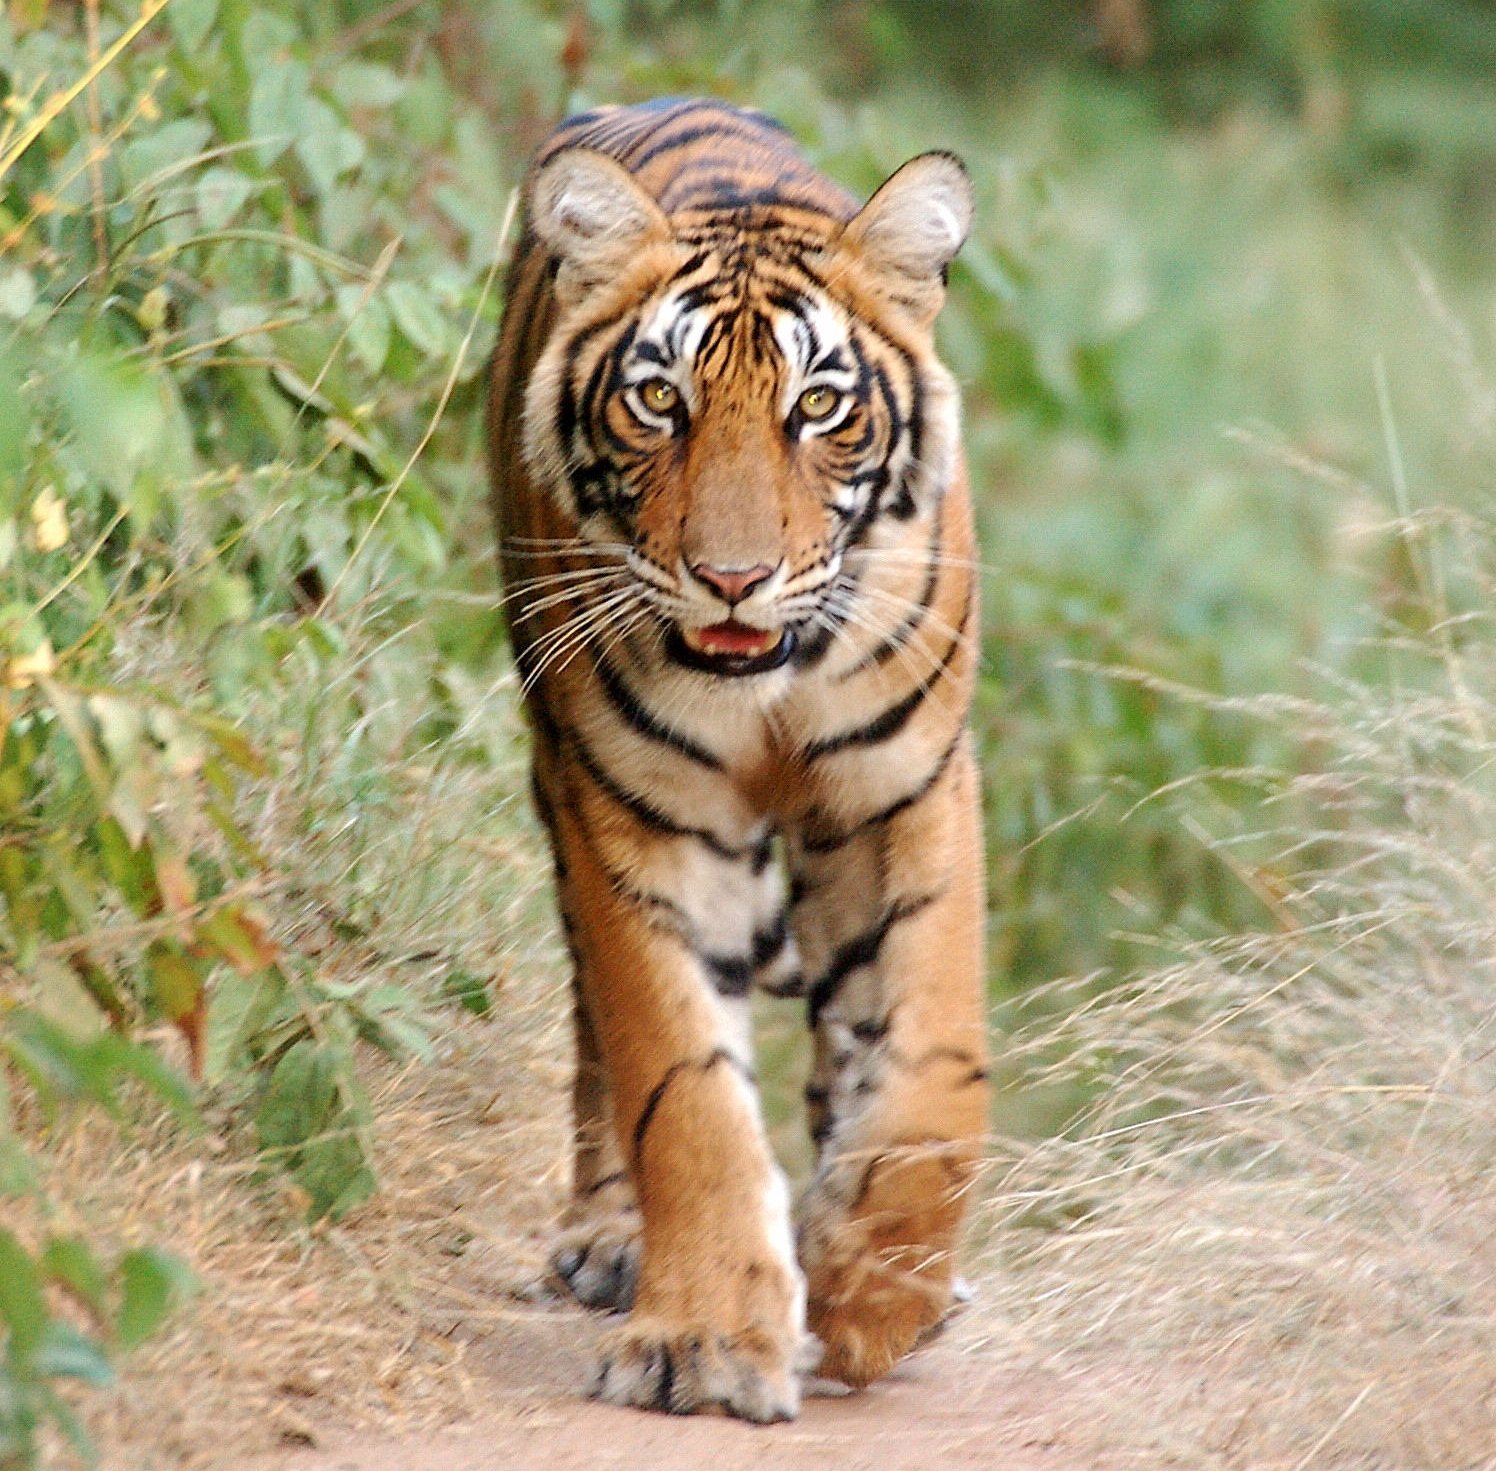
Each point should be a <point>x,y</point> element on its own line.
<point>950,1407</point>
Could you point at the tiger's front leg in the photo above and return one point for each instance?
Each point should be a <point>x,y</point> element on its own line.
<point>891,920</point>
<point>595,1253</point>
<point>719,1305</point>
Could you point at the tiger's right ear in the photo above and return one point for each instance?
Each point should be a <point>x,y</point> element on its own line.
<point>593,215</point>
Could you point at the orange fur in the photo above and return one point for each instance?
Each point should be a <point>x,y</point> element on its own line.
<point>737,543</point>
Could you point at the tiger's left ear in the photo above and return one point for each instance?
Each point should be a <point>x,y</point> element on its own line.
<point>911,229</point>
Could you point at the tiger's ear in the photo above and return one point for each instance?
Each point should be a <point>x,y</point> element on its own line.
<point>911,229</point>
<point>590,211</point>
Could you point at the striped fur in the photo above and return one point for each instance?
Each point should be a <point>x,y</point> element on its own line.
<point>737,548</point>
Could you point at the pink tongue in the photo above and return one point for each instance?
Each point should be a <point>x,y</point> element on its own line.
<point>733,638</point>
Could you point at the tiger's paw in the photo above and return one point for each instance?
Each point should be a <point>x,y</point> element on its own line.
<point>653,1365</point>
<point>596,1257</point>
<point>866,1332</point>
<point>878,1266</point>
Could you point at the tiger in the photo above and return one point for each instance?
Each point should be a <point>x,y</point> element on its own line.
<point>737,546</point>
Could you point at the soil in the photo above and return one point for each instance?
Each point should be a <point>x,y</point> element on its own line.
<point>950,1407</point>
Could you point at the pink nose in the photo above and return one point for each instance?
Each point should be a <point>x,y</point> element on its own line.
<point>732,583</point>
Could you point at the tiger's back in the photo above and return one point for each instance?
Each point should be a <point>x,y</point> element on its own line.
<point>737,551</point>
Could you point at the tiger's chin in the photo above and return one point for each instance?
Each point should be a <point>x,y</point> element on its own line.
<point>731,649</point>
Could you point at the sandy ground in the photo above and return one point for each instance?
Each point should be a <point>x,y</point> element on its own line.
<point>947,1407</point>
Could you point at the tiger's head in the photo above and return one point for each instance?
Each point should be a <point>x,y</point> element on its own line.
<point>737,401</point>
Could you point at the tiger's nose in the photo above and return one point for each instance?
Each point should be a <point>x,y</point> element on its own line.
<point>732,583</point>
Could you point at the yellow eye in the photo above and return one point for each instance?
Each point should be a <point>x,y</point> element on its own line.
<point>659,395</point>
<point>818,403</point>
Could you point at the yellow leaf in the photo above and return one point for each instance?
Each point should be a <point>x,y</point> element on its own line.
<point>49,520</point>
<point>174,879</point>
<point>24,669</point>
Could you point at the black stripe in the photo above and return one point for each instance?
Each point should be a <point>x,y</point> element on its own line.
<point>860,951</point>
<point>657,1094</point>
<point>879,729</point>
<point>543,809</point>
<point>660,913</point>
<point>567,417</point>
<point>732,975</point>
<point>769,943</point>
<point>812,646</point>
<point>912,620</point>
<point>832,841</point>
<point>618,1177</point>
<point>667,1376</point>
<point>791,986</point>
<point>639,718</point>
<point>892,720</point>
<point>718,129</point>
<point>645,812</point>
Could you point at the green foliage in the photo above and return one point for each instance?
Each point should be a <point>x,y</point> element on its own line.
<point>222,335</point>
<point>66,1311</point>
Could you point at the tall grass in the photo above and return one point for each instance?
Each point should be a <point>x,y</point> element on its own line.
<point>1267,1233</point>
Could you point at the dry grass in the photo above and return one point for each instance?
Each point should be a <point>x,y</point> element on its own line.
<point>424,869</point>
<point>295,1330</point>
<point>1271,1236</point>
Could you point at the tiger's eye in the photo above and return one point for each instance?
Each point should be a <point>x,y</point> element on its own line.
<point>817,403</point>
<point>659,395</point>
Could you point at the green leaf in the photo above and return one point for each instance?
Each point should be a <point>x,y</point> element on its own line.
<point>131,867</point>
<point>151,1282</point>
<point>299,1099</point>
<point>69,1260</point>
<point>220,193</point>
<point>265,33</point>
<point>155,153</point>
<point>418,317</point>
<point>278,105</point>
<point>364,84</point>
<point>23,1308</point>
<point>115,411</point>
<point>469,990</point>
<point>125,1058</point>
<point>175,981</point>
<point>191,21</point>
<point>239,937</point>
<point>61,1414</point>
<point>14,431</point>
<point>326,147</point>
<point>18,1175</point>
<point>65,1353</point>
<point>307,1123</point>
<point>368,322</point>
<point>17,293</point>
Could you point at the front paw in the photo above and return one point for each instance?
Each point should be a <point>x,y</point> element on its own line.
<point>878,1263</point>
<point>597,1259</point>
<point>653,1365</point>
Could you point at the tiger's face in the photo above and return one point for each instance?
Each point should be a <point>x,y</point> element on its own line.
<point>736,411</point>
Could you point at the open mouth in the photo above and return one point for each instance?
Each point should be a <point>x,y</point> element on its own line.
<point>731,648</point>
